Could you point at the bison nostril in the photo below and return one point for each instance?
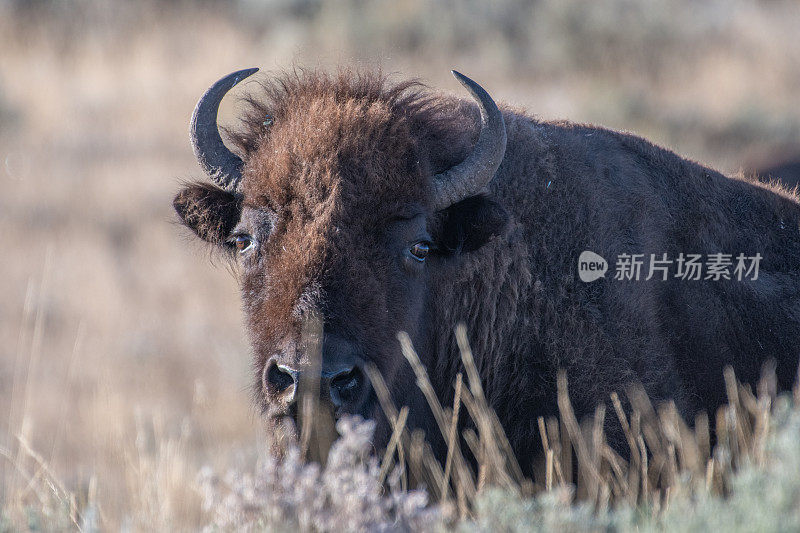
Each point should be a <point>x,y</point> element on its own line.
<point>280,378</point>
<point>345,386</point>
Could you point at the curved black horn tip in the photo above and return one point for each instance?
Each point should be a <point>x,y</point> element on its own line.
<point>241,75</point>
<point>232,80</point>
<point>463,80</point>
<point>245,73</point>
<point>470,85</point>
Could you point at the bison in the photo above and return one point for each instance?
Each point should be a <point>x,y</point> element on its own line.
<point>385,206</point>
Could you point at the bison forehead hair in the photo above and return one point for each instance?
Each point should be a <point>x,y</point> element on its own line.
<point>309,136</point>
<point>383,207</point>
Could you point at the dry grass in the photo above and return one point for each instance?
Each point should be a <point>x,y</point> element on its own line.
<point>664,450</point>
<point>668,465</point>
<point>353,491</point>
<point>123,364</point>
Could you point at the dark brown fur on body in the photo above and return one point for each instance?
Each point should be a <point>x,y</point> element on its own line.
<point>337,179</point>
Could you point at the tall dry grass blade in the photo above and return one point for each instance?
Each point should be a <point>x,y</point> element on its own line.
<point>657,472</point>
<point>618,466</point>
<point>38,328</point>
<point>749,400</point>
<point>630,484</point>
<point>67,386</point>
<point>399,425</point>
<point>733,428</point>
<point>685,440</point>
<point>576,437</point>
<point>477,444</point>
<point>452,437</point>
<point>635,470</point>
<point>649,419</point>
<point>672,466</point>
<point>724,450</point>
<point>317,423</point>
<point>670,434</point>
<point>20,469</point>
<point>543,433</point>
<point>401,461</point>
<point>73,511</point>
<point>709,474</point>
<point>554,440</point>
<point>566,451</point>
<point>390,411</point>
<point>412,456</point>
<point>474,445</point>
<point>548,471</point>
<point>623,420</point>
<point>559,470</point>
<point>761,430</point>
<point>511,463</point>
<point>14,400</point>
<point>34,355</point>
<point>617,490</point>
<point>548,454</point>
<point>424,384</point>
<point>469,363</point>
<point>492,464</point>
<point>767,386</point>
<point>741,425</point>
<point>29,341</point>
<point>423,465</point>
<point>645,495</point>
<point>496,431</point>
<point>415,451</point>
<point>597,434</point>
<point>434,467</point>
<point>381,391</point>
<point>603,499</point>
<point>476,403</point>
<point>36,341</point>
<point>461,499</point>
<point>596,451</point>
<point>56,487</point>
<point>702,431</point>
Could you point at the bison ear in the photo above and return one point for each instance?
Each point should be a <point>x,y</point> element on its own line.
<point>469,224</point>
<point>209,211</point>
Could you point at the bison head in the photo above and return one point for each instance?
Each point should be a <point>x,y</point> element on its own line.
<point>353,200</point>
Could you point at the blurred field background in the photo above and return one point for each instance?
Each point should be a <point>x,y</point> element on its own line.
<point>123,362</point>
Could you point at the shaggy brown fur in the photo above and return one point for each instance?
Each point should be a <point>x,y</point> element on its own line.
<point>335,189</point>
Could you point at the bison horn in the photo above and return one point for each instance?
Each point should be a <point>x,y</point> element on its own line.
<point>223,166</point>
<point>477,170</point>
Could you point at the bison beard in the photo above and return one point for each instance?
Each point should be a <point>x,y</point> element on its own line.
<point>387,207</point>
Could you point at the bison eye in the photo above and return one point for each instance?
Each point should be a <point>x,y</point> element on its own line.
<point>242,242</point>
<point>420,251</point>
